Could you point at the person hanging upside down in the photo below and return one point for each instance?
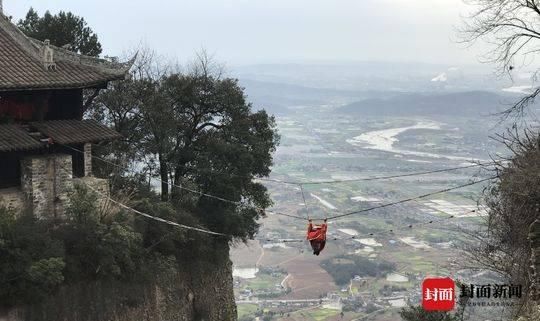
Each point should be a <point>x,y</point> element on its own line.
<point>316,235</point>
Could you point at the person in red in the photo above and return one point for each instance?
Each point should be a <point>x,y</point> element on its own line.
<point>316,235</point>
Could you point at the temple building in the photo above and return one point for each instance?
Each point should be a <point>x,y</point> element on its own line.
<point>41,121</point>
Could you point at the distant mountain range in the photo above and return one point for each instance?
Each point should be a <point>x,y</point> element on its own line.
<point>471,103</point>
<point>377,76</point>
<point>278,98</point>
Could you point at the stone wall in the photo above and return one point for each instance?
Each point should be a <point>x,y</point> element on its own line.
<point>46,182</point>
<point>88,160</point>
<point>12,199</point>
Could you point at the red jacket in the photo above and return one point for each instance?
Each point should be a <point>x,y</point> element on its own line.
<point>316,232</point>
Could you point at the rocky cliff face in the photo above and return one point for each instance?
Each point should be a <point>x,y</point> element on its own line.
<point>199,290</point>
<point>534,274</point>
<point>531,312</point>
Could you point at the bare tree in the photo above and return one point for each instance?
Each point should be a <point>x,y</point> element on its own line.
<point>512,28</point>
<point>513,203</point>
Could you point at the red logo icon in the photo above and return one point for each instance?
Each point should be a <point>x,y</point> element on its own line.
<point>438,294</point>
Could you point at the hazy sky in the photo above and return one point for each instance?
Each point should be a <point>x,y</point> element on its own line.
<point>265,31</point>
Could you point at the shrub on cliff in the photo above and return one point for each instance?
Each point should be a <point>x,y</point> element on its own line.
<point>31,260</point>
<point>37,256</point>
<point>98,245</point>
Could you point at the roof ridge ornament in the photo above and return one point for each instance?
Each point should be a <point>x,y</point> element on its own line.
<point>47,55</point>
<point>26,66</point>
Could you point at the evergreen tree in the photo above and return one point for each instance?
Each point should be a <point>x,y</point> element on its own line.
<point>196,130</point>
<point>63,30</point>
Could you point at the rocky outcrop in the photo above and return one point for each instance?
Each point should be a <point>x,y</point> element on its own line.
<point>532,315</point>
<point>200,290</point>
<point>213,291</point>
<point>534,274</point>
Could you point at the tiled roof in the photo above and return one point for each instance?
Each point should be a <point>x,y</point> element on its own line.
<point>16,138</point>
<point>75,131</point>
<point>22,66</point>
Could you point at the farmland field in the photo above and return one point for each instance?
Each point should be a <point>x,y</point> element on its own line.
<point>420,238</point>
